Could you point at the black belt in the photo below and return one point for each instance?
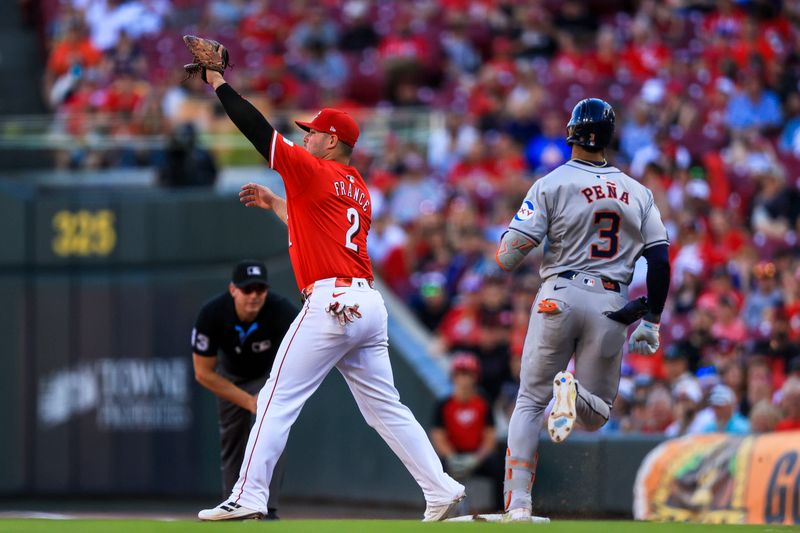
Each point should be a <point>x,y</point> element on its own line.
<point>608,284</point>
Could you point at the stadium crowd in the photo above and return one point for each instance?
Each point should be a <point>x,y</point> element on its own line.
<point>708,117</point>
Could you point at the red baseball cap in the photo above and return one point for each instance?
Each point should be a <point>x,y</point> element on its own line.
<point>465,362</point>
<point>335,122</point>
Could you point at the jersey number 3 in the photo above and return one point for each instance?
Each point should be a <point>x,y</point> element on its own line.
<point>355,224</point>
<point>608,221</point>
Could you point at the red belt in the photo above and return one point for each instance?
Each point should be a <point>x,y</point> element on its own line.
<point>340,282</point>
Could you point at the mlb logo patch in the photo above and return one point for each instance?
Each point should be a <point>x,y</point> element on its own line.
<point>525,211</point>
<point>254,271</point>
<point>262,346</point>
<point>588,281</point>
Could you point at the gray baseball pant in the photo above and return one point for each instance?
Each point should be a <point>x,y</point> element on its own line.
<point>595,340</point>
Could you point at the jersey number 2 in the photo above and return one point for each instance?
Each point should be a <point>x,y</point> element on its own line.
<point>355,223</point>
<point>608,232</point>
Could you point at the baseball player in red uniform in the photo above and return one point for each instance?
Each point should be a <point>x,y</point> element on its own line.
<point>343,322</point>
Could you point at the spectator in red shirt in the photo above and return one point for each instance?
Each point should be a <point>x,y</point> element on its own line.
<point>509,163</point>
<point>570,60</point>
<point>503,62</point>
<point>70,57</point>
<point>74,48</point>
<point>476,176</point>
<point>463,431</point>
<point>720,286</point>
<point>753,49</point>
<point>406,57</point>
<point>459,327</point>
<point>728,326</point>
<point>723,240</point>
<point>122,98</point>
<point>267,27</point>
<point>646,55</point>
<point>403,44</point>
<point>277,82</point>
<point>605,57</point>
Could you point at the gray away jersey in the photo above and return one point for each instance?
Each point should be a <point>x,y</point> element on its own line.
<point>597,220</point>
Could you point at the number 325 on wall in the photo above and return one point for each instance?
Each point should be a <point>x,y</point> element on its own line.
<point>84,233</point>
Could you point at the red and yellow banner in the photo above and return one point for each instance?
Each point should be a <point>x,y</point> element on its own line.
<point>718,478</point>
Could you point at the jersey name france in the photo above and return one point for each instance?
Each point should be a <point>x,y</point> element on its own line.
<point>330,213</point>
<point>595,220</point>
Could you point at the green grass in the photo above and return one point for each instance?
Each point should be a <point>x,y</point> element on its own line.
<point>358,526</point>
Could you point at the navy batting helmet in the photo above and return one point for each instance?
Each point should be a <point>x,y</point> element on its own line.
<point>591,125</point>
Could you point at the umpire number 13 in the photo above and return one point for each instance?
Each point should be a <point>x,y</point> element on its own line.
<point>608,228</point>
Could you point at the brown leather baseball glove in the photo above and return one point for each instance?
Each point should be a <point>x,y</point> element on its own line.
<point>206,54</point>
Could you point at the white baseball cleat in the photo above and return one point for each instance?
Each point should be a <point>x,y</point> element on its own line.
<point>229,511</point>
<point>562,417</point>
<point>517,515</point>
<point>437,513</point>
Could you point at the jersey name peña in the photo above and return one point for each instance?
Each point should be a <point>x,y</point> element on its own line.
<point>596,192</point>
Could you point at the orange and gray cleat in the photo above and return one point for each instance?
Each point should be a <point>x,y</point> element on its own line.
<point>562,417</point>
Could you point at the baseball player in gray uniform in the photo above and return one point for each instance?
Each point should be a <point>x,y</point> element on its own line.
<point>595,222</point>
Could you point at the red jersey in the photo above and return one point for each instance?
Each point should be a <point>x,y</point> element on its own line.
<point>464,422</point>
<point>330,213</point>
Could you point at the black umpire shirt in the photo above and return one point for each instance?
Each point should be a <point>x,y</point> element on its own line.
<point>247,349</point>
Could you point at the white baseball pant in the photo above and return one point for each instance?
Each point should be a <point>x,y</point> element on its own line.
<point>313,345</point>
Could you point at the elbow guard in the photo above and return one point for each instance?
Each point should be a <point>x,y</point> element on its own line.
<point>514,246</point>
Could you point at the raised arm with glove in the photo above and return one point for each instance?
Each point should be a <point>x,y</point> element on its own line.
<point>207,54</point>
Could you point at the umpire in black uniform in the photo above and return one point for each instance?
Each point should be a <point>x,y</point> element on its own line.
<point>245,326</point>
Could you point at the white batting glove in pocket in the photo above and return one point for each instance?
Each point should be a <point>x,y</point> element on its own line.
<point>343,313</point>
<point>644,339</point>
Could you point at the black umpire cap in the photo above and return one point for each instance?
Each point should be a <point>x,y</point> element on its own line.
<point>249,272</point>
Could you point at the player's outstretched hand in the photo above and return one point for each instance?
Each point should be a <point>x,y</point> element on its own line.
<point>255,195</point>
<point>344,313</point>
<point>644,339</point>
